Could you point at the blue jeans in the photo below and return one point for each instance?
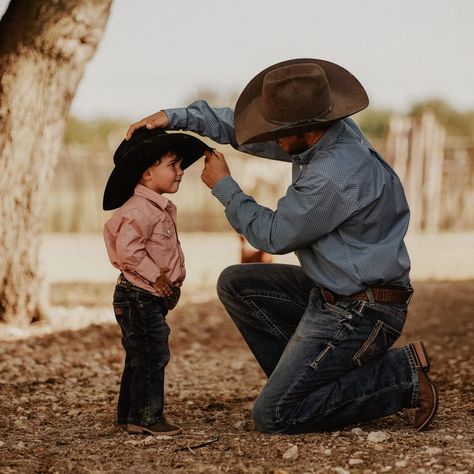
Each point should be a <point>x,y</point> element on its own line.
<point>145,333</point>
<point>328,365</point>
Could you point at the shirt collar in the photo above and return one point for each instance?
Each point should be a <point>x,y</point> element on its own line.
<point>327,139</point>
<point>147,193</point>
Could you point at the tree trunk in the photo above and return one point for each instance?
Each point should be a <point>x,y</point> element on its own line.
<point>44,48</point>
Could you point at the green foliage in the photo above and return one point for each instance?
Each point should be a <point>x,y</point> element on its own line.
<point>100,132</point>
<point>456,123</point>
<point>374,122</point>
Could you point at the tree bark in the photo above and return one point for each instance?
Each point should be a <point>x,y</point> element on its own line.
<point>44,48</point>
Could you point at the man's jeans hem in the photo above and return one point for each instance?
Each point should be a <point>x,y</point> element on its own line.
<point>414,376</point>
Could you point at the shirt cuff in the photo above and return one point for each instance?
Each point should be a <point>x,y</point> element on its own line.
<point>225,189</point>
<point>178,118</point>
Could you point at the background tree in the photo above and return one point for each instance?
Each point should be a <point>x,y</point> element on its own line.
<point>44,48</point>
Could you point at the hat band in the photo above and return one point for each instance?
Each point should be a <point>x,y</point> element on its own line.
<point>302,121</point>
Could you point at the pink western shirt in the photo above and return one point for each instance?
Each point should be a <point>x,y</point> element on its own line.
<point>141,238</point>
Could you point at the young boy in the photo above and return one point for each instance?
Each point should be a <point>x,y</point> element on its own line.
<point>142,242</point>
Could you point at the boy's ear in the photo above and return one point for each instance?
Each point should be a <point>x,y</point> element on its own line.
<point>146,175</point>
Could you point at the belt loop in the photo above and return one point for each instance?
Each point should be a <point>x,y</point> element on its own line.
<point>370,296</point>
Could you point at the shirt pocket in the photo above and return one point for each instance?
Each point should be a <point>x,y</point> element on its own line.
<point>162,238</point>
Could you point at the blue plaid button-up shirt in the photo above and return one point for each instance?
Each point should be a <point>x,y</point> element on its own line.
<point>344,215</point>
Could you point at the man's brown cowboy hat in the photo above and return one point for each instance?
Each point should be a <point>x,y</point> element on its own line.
<point>293,96</point>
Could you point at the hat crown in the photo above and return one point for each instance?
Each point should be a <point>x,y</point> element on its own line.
<point>295,93</point>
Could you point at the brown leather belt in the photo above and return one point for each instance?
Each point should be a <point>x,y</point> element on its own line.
<point>380,294</point>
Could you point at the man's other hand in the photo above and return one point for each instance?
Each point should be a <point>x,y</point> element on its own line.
<point>215,168</point>
<point>157,120</point>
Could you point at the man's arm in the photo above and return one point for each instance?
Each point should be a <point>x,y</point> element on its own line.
<point>311,208</point>
<point>215,123</point>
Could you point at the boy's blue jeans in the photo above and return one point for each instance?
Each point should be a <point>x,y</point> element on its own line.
<point>145,333</point>
<point>328,365</point>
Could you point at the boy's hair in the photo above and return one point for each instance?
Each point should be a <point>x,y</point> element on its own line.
<point>144,148</point>
<point>166,153</point>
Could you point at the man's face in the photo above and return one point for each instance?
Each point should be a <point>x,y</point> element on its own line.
<point>293,144</point>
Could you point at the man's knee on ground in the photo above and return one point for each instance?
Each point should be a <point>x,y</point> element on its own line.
<point>265,419</point>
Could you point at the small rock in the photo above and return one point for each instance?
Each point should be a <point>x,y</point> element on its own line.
<point>327,452</point>
<point>402,463</point>
<point>20,445</point>
<point>459,436</point>
<point>355,461</point>
<point>377,436</point>
<point>237,365</point>
<point>340,470</point>
<point>358,431</point>
<point>19,423</point>
<point>291,453</point>
<point>1,443</point>
<point>434,450</point>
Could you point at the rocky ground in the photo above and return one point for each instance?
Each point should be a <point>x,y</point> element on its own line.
<point>58,392</point>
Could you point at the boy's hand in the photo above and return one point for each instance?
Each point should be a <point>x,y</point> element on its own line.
<point>162,285</point>
<point>215,168</point>
<point>158,120</point>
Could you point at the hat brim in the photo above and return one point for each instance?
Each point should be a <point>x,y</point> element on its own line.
<point>349,97</point>
<point>132,159</point>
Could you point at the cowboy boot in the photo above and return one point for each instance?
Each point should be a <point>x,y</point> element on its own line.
<point>428,398</point>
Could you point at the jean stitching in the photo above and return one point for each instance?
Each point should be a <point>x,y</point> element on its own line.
<point>274,329</point>
<point>362,397</point>
<point>330,346</point>
<point>274,296</point>
<point>279,418</point>
<point>414,375</point>
<point>370,339</point>
<point>340,311</point>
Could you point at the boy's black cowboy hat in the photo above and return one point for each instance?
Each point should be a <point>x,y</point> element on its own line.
<point>134,156</point>
<point>293,96</point>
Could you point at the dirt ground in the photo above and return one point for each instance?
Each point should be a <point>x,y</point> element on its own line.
<point>58,393</point>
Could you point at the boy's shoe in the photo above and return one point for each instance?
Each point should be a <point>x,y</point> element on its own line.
<point>162,428</point>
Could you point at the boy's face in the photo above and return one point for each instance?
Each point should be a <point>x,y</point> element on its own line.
<point>165,176</point>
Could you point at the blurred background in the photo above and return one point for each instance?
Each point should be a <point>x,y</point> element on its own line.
<point>413,58</point>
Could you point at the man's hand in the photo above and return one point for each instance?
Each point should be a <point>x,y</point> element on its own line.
<point>215,168</point>
<point>162,285</point>
<point>158,120</point>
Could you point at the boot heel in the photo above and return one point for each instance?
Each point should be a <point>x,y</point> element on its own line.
<point>421,357</point>
<point>134,429</point>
